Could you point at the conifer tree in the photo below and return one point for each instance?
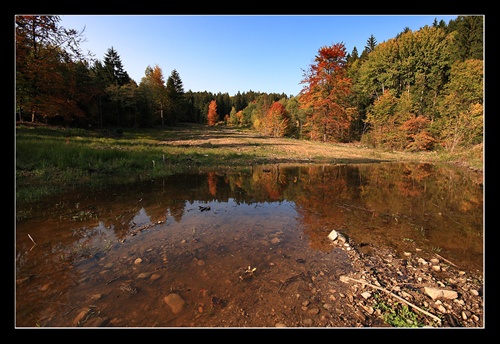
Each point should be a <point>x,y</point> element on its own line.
<point>175,98</point>
<point>116,75</point>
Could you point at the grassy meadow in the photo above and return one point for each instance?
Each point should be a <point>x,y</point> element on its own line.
<point>50,160</point>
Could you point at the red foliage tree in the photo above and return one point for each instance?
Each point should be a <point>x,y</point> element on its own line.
<point>325,95</point>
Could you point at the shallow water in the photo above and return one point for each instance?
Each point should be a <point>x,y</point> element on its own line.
<point>119,252</point>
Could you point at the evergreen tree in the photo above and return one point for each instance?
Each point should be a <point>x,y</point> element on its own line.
<point>177,106</point>
<point>469,37</point>
<point>371,43</point>
<point>238,102</point>
<point>354,55</point>
<point>116,75</point>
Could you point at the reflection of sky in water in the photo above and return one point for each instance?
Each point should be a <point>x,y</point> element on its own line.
<point>220,212</point>
<point>97,236</point>
<point>141,218</point>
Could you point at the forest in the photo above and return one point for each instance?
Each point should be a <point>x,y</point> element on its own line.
<point>422,90</point>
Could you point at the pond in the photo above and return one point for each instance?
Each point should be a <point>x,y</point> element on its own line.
<point>175,252</point>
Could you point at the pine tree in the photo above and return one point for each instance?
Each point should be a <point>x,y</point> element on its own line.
<point>469,38</point>
<point>116,75</point>
<point>175,98</point>
<point>371,43</point>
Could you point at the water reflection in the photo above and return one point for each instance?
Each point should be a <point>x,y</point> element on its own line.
<point>81,246</point>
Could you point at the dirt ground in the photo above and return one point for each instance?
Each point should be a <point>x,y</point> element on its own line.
<point>253,148</point>
<point>351,286</point>
<point>270,149</point>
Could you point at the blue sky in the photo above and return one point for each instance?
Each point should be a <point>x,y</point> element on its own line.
<point>231,53</point>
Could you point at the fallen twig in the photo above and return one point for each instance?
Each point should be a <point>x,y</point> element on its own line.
<point>113,279</point>
<point>32,239</point>
<point>288,280</point>
<point>446,260</point>
<point>345,278</point>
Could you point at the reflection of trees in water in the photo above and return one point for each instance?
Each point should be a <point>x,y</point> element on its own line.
<point>438,203</point>
<point>269,183</point>
<point>421,189</point>
<point>331,197</point>
<point>212,183</point>
<point>321,190</point>
<point>382,188</point>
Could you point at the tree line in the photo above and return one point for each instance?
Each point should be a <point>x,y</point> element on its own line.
<point>421,90</point>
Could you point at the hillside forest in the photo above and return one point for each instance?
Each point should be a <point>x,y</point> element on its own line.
<point>422,90</point>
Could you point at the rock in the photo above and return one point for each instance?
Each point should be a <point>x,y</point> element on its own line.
<point>308,322</point>
<point>154,277</point>
<point>436,293</point>
<point>97,322</point>
<point>175,302</point>
<point>333,235</point>
<point>80,317</point>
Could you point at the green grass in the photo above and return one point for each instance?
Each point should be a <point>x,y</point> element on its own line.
<point>398,315</point>
<point>50,160</point>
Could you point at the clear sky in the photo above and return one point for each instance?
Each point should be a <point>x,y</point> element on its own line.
<point>231,53</point>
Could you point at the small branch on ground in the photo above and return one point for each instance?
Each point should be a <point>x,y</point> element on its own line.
<point>346,278</point>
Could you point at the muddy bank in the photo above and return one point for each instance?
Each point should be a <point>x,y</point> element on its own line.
<point>342,288</point>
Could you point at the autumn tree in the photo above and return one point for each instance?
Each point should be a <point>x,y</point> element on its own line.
<point>46,54</point>
<point>297,117</point>
<point>382,121</point>
<point>213,116</point>
<point>461,109</point>
<point>325,95</point>
<point>411,72</point>
<point>257,112</point>
<point>232,118</point>
<point>153,87</point>
<point>276,122</point>
<point>417,63</point>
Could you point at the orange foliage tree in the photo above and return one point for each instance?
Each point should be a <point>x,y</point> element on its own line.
<point>212,113</point>
<point>325,95</point>
<point>276,122</point>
